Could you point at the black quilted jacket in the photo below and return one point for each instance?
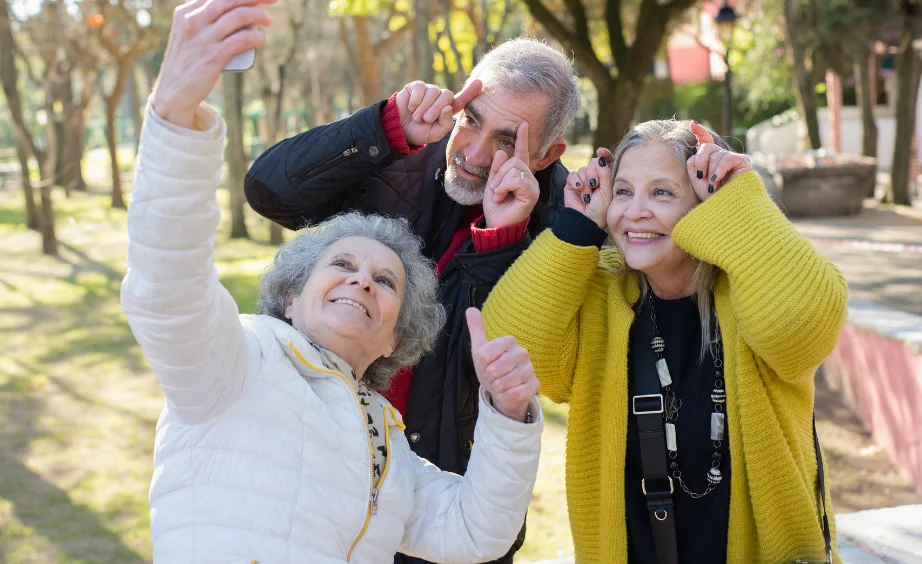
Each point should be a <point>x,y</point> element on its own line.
<point>349,165</point>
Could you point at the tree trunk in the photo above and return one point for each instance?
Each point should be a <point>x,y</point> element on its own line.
<point>32,218</point>
<point>422,46</point>
<point>834,109</point>
<point>863,73</point>
<point>232,86</point>
<point>118,198</point>
<point>906,91</point>
<point>133,102</point>
<point>48,167</point>
<point>617,104</point>
<point>804,86</point>
<point>366,60</point>
<point>75,146</point>
<point>274,102</point>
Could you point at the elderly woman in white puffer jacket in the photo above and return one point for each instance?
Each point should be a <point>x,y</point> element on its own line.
<point>274,445</point>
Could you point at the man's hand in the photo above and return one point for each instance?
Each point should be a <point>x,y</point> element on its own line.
<point>204,36</point>
<point>512,190</point>
<point>503,368</point>
<point>589,190</point>
<point>426,110</point>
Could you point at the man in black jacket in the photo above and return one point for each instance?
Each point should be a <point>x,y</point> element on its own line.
<point>475,189</point>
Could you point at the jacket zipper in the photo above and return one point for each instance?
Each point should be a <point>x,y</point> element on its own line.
<point>375,488</point>
<point>318,168</point>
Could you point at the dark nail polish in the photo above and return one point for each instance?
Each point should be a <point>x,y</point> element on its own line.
<point>579,184</point>
<point>592,182</point>
<point>602,161</point>
<point>710,188</point>
<point>713,178</point>
<point>586,198</point>
<point>700,175</point>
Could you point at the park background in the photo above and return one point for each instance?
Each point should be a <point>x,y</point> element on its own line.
<point>821,93</point>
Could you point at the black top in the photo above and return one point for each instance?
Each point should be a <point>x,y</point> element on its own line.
<point>701,525</point>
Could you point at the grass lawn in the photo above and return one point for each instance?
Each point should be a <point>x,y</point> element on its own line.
<point>78,404</point>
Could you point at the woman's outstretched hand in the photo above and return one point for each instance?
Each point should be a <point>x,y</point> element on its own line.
<point>503,368</point>
<point>204,36</point>
<point>712,167</point>
<point>589,190</point>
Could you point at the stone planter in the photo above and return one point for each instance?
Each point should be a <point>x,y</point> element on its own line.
<point>817,186</point>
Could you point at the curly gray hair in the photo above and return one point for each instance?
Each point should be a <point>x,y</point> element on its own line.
<point>421,316</point>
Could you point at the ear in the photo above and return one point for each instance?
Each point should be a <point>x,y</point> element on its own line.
<point>553,153</point>
<point>290,306</point>
<point>393,346</point>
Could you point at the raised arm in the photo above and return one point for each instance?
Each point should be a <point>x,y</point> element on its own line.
<point>477,518</point>
<point>789,299</point>
<point>185,321</point>
<point>315,174</point>
<point>538,300</point>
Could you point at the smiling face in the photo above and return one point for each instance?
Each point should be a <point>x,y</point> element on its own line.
<point>651,193</point>
<point>351,301</point>
<point>487,125</point>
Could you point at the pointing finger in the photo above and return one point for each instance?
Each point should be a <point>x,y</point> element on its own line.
<point>701,132</point>
<point>463,98</point>
<point>521,143</point>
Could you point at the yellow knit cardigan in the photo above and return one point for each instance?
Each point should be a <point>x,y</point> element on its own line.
<point>780,307</point>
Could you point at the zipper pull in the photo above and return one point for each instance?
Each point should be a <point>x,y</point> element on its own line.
<point>374,501</point>
<point>350,151</point>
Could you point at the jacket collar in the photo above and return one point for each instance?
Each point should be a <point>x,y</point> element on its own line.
<point>311,360</point>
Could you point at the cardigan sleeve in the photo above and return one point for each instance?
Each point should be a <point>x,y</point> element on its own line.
<point>538,301</point>
<point>790,300</point>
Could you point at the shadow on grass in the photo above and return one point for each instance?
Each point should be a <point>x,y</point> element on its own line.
<point>49,511</point>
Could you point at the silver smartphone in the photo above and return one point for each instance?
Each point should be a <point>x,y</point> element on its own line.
<point>241,61</point>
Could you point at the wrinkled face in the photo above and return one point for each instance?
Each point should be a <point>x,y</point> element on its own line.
<point>351,302</point>
<point>487,125</point>
<point>651,193</point>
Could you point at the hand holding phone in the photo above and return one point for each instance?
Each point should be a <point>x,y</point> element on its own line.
<point>241,61</point>
<point>205,37</point>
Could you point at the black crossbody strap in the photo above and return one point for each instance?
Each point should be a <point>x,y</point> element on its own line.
<point>821,485</point>
<point>647,405</point>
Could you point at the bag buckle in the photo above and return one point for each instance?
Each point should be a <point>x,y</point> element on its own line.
<point>648,404</point>
<point>643,485</point>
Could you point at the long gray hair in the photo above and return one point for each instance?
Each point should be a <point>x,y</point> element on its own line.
<point>677,135</point>
<point>421,316</point>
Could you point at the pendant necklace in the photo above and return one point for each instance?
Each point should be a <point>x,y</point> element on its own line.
<point>672,405</point>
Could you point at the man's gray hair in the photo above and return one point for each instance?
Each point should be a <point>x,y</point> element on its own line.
<point>421,316</point>
<point>525,66</point>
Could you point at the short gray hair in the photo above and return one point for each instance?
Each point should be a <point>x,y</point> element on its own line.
<point>526,66</point>
<point>677,136</point>
<point>421,316</point>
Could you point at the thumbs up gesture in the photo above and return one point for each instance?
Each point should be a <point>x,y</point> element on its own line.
<point>503,368</point>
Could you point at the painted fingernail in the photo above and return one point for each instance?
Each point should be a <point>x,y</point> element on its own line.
<point>592,182</point>
<point>700,175</point>
<point>602,161</point>
<point>713,178</point>
<point>579,184</point>
<point>710,188</point>
<point>586,198</point>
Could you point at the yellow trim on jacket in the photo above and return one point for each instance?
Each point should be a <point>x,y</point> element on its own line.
<point>780,307</point>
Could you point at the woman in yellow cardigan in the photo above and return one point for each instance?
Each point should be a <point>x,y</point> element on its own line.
<point>710,294</point>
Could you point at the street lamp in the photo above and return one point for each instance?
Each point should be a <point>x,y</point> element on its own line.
<point>725,20</point>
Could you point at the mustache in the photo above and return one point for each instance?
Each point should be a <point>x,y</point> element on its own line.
<point>459,160</point>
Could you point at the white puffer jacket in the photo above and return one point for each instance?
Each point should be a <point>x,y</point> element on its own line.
<point>262,452</point>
